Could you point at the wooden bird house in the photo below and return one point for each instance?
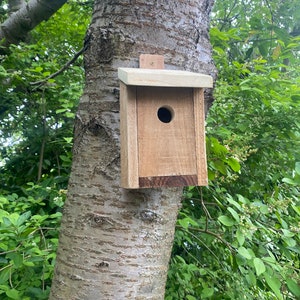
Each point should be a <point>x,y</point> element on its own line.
<point>162,126</point>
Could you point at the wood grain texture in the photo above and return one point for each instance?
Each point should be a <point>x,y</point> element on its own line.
<point>152,61</point>
<point>167,181</point>
<point>165,149</point>
<point>128,128</point>
<point>200,150</point>
<point>164,78</point>
<point>154,153</point>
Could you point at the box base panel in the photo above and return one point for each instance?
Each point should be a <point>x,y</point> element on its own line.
<point>168,181</point>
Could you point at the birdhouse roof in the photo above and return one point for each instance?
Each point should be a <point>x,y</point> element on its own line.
<point>164,78</point>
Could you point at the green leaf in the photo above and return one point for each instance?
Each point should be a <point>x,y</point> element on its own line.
<point>225,220</point>
<point>207,292</point>
<point>220,166</point>
<point>293,287</point>
<point>38,69</point>
<point>62,110</point>
<point>17,259</point>
<point>202,272</point>
<point>264,209</point>
<point>259,266</point>
<point>218,149</point>
<point>235,203</point>
<point>3,246</point>
<point>289,181</point>
<point>4,275</point>
<point>263,49</point>
<point>287,233</point>
<point>46,74</point>
<point>234,164</point>
<point>6,221</point>
<point>3,200</point>
<point>186,222</point>
<point>180,259</point>
<point>68,139</point>
<point>251,278</point>
<point>240,237</point>
<point>274,284</point>
<point>290,241</point>
<point>28,263</point>
<point>69,114</point>
<point>295,98</point>
<point>234,214</point>
<point>244,252</point>
<point>297,166</point>
<point>296,209</point>
<point>13,294</point>
<point>23,218</point>
<point>190,297</point>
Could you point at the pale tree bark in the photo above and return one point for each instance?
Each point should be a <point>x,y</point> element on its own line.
<point>14,5</point>
<point>116,243</point>
<point>30,14</point>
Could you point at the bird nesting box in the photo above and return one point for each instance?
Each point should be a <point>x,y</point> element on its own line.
<point>162,126</point>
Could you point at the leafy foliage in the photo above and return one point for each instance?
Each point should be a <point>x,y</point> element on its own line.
<point>36,124</point>
<point>239,238</point>
<point>29,237</point>
<point>36,114</point>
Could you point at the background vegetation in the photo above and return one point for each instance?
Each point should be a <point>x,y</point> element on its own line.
<point>238,238</point>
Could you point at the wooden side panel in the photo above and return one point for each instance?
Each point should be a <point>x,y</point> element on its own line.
<point>199,115</point>
<point>128,132</point>
<point>166,149</point>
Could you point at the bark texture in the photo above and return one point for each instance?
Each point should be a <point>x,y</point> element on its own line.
<point>16,27</point>
<point>116,243</point>
<point>14,5</point>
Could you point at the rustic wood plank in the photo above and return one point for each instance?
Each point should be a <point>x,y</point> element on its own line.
<point>128,130</point>
<point>166,149</point>
<point>164,78</point>
<point>152,61</point>
<point>167,181</point>
<point>199,116</point>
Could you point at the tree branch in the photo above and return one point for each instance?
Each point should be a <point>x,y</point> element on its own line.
<point>207,215</point>
<point>66,66</point>
<point>15,28</point>
<point>212,234</point>
<point>201,242</point>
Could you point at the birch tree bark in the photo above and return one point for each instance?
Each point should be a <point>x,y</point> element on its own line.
<point>16,27</point>
<point>116,243</point>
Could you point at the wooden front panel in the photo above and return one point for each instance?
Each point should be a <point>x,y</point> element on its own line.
<point>165,147</point>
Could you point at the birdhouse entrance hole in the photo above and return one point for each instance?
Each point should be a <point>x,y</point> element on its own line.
<point>165,114</point>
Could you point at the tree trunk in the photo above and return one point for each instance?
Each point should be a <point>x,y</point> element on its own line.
<point>116,243</point>
<point>15,28</point>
